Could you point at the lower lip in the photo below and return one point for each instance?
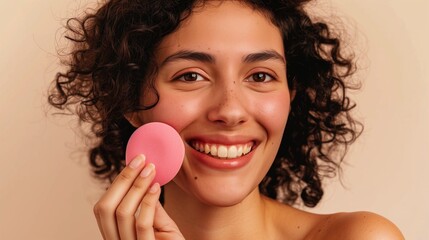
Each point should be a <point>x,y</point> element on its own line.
<point>222,164</point>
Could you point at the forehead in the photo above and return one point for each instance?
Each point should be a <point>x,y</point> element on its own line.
<point>226,27</point>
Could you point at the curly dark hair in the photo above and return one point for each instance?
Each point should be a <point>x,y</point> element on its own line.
<point>113,56</point>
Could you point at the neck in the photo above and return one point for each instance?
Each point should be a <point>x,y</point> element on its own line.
<point>198,220</point>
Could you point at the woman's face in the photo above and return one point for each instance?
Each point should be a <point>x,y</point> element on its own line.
<point>222,86</point>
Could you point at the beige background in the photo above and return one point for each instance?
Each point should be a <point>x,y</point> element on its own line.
<point>45,188</point>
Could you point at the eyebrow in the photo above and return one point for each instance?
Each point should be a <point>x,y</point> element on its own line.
<point>205,57</point>
<point>264,56</point>
<point>189,55</point>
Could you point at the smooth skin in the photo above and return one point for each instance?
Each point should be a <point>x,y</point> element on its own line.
<point>221,80</point>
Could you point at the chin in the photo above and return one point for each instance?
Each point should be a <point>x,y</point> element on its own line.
<point>225,195</point>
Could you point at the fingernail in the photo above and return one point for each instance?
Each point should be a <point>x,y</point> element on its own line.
<point>154,188</point>
<point>136,162</point>
<point>147,170</point>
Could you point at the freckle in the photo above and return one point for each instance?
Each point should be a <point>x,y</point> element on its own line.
<point>195,178</point>
<point>298,227</point>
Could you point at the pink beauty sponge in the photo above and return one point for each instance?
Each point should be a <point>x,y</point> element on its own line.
<point>162,146</point>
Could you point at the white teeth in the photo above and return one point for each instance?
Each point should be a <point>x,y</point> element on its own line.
<point>222,151</point>
<point>240,151</point>
<point>213,150</point>
<point>247,149</point>
<point>232,152</point>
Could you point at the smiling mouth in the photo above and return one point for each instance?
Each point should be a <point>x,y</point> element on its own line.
<point>223,151</point>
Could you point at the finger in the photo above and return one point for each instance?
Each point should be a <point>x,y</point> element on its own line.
<point>100,227</point>
<point>145,219</point>
<point>105,208</point>
<point>162,221</point>
<point>165,227</point>
<point>125,213</point>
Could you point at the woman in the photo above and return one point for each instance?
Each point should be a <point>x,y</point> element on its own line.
<point>256,90</point>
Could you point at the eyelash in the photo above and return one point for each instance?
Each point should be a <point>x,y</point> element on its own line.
<point>184,75</point>
<point>199,77</point>
<point>260,73</point>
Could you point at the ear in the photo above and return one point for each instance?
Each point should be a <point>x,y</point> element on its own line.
<point>134,119</point>
<point>292,94</point>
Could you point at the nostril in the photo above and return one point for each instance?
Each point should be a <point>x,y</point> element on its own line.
<point>227,104</point>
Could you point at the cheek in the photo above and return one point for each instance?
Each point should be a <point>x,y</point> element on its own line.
<point>273,110</point>
<point>176,110</point>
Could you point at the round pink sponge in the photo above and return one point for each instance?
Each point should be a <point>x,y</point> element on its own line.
<point>162,146</point>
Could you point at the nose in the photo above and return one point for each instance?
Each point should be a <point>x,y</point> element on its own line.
<point>229,107</point>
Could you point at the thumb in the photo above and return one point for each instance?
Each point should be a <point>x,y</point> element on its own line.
<point>165,227</point>
<point>163,222</point>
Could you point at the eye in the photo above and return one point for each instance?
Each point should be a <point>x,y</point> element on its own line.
<point>190,77</point>
<point>260,77</point>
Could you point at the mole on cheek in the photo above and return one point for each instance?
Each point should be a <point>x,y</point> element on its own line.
<point>195,178</point>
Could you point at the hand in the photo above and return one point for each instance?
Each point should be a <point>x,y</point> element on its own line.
<point>118,214</point>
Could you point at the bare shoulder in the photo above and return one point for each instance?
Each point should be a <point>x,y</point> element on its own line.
<point>356,226</point>
<point>298,224</point>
